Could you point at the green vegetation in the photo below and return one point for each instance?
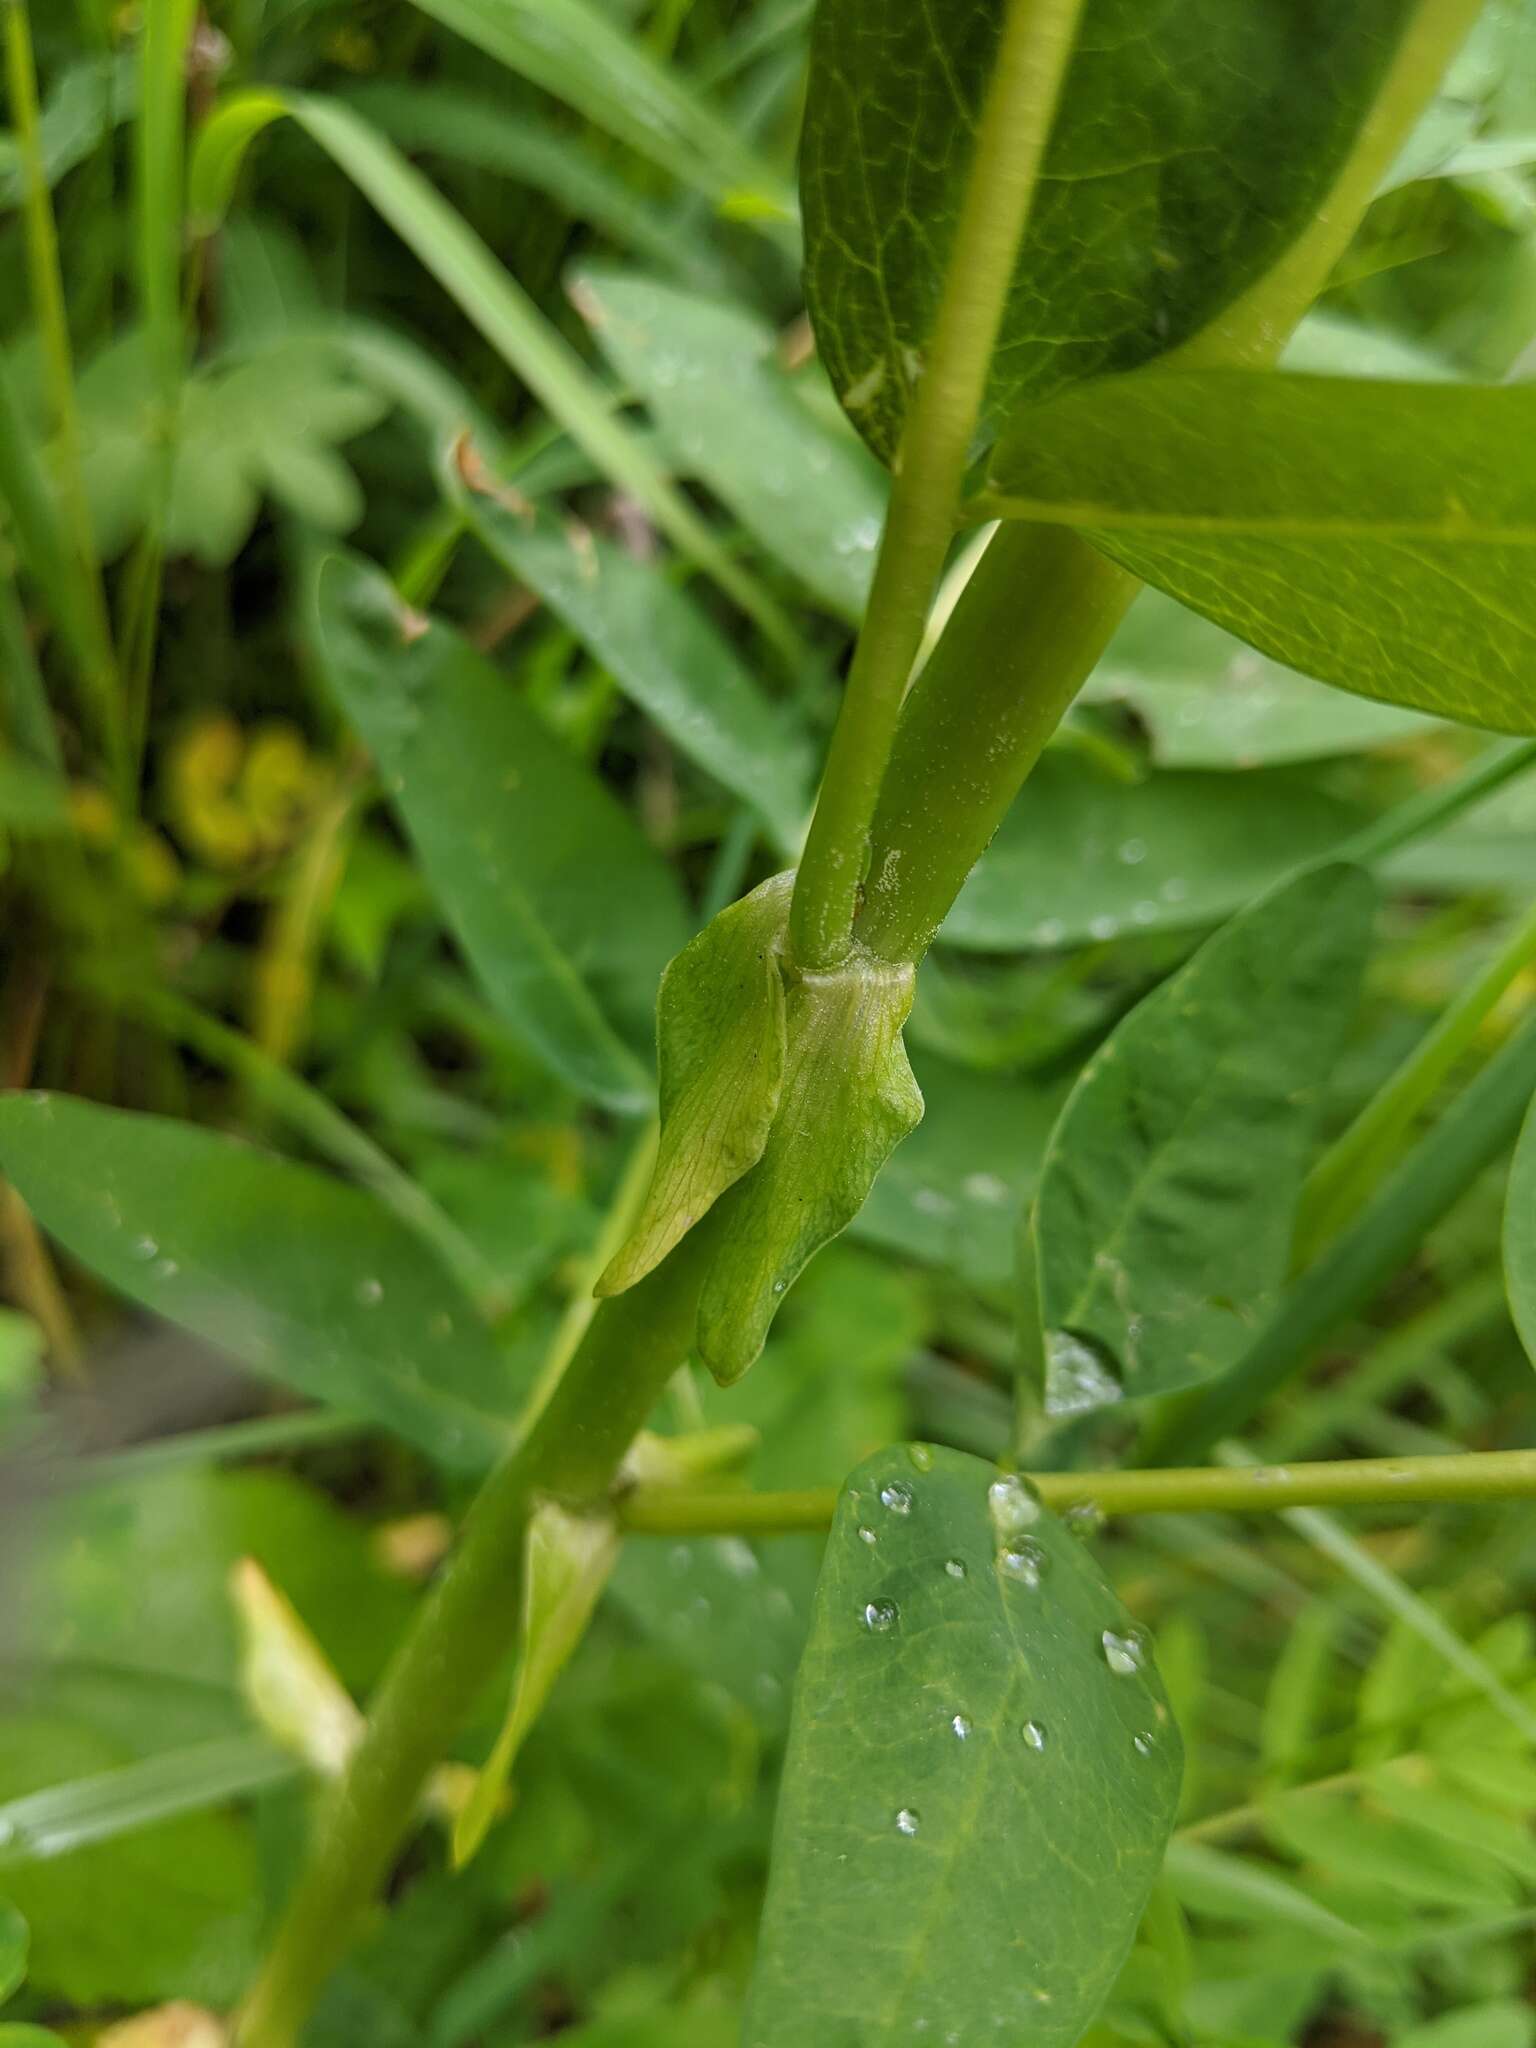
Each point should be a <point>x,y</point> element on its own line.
<point>768,801</point>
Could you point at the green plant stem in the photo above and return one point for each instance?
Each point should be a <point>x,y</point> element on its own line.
<point>1474,1476</point>
<point>1433,808</point>
<point>1476,1128</point>
<point>978,718</point>
<point>630,1350</point>
<point>1039,612</point>
<point>1343,1178</point>
<point>1033,52</point>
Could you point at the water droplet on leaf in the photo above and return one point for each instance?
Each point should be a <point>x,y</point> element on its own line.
<point>907,1821</point>
<point>1012,1505</point>
<point>1124,1654</point>
<point>897,1496</point>
<point>1034,1735</point>
<point>881,1615</point>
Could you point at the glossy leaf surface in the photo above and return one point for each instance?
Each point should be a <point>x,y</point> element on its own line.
<point>566,913</point>
<point>1192,144</point>
<point>306,1280</point>
<point>981,1777</point>
<point>1161,1228</point>
<point>1379,536</point>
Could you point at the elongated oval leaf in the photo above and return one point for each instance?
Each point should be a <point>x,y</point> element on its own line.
<point>1192,144</point>
<point>1161,1229</point>
<point>302,1278</point>
<point>1083,856</point>
<point>982,1774</point>
<point>810,494</point>
<point>566,913</point>
<point>1379,536</point>
<point>653,638</point>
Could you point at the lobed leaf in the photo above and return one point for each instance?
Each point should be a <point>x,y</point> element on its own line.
<point>565,911</point>
<point>303,1278</point>
<point>1161,1228</point>
<point>1192,145</point>
<point>1381,536</point>
<point>982,1774</point>
<point>720,1034</point>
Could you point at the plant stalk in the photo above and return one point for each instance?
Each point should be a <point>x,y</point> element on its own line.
<point>1039,612</point>
<point>631,1348</point>
<point>1033,54</point>
<point>1476,1477</point>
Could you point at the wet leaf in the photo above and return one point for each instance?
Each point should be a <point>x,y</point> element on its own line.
<point>1161,1229</point>
<point>301,1277</point>
<point>566,913</point>
<point>982,1774</point>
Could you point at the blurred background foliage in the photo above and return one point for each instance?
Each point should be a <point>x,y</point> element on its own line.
<point>229,924</point>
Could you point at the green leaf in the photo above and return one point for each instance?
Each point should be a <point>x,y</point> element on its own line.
<point>653,638</point>
<point>1238,1888</point>
<point>1520,1236</point>
<point>566,913</point>
<point>1083,856</point>
<point>1161,1229</point>
<point>710,379</point>
<point>172,1912</point>
<point>1192,145</point>
<point>848,1100</point>
<point>720,1031</point>
<point>264,424</point>
<point>566,1562</point>
<point>1207,701</point>
<point>982,1774</point>
<point>88,99</point>
<point>303,1278</point>
<point>1505,2023</point>
<point>952,1194</point>
<point>579,54</point>
<point>1378,536</point>
<point>13,1950</point>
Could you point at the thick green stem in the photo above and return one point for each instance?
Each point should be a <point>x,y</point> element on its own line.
<point>1475,1476</point>
<point>1024,637</point>
<point>1039,612</point>
<point>631,1348</point>
<point>1016,121</point>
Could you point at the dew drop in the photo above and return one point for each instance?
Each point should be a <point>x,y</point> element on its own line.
<point>1145,1743</point>
<point>370,1292</point>
<point>921,1456</point>
<point>1124,1654</point>
<point>897,1497</point>
<point>955,1566</point>
<point>167,1269</point>
<point>867,1535</point>
<point>778,1286</point>
<point>907,1821</point>
<point>1012,1505</point>
<point>1144,912</point>
<point>960,1727</point>
<point>1078,1375</point>
<point>1085,1519</point>
<point>1026,1561</point>
<point>1103,927</point>
<point>1034,1735</point>
<point>881,1616</point>
<point>1133,852</point>
<point>145,1248</point>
